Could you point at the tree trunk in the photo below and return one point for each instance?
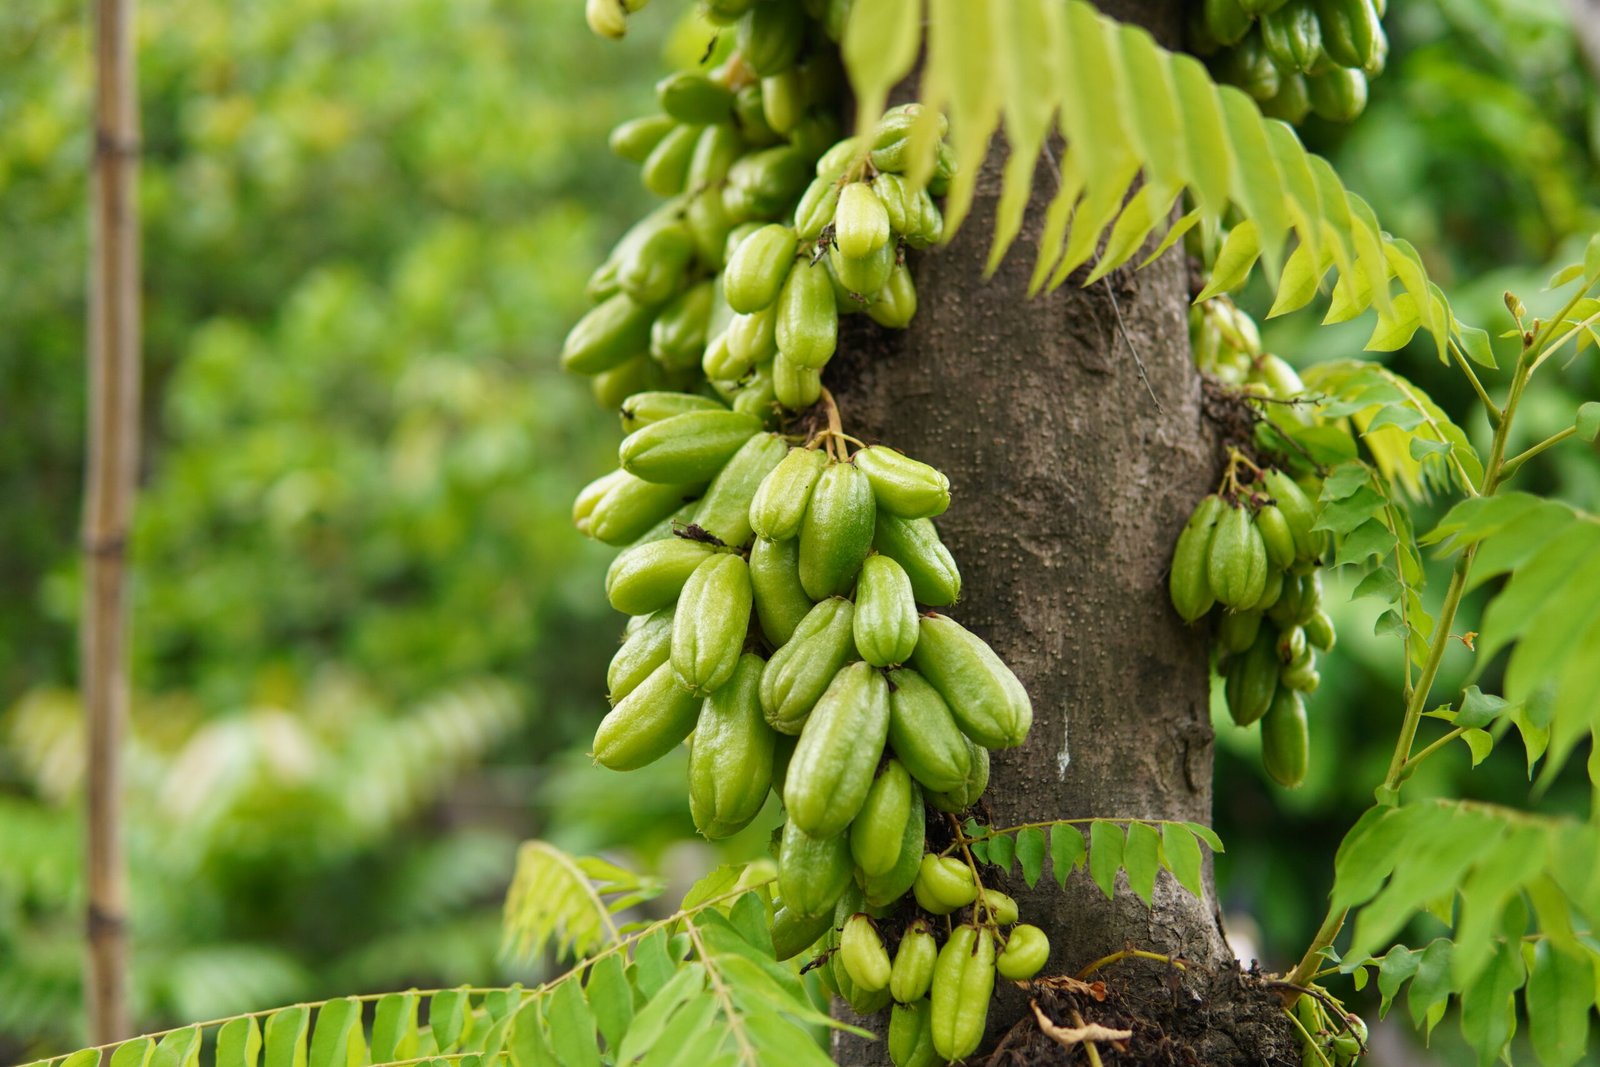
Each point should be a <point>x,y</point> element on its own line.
<point>1071,478</point>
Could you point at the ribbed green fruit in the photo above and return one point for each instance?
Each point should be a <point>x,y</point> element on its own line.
<point>730,758</point>
<point>896,303</point>
<point>886,626</point>
<point>963,982</point>
<point>724,512</point>
<point>793,933</point>
<point>665,171</point>
<point>647,724</point>
<point>1236,563</point>
<point>1286,739</point>
<point>1251,678</point>
<point>860,278</point>
<point>608,336</point>
<point>988,702</point>
<point>690,447</point>
<point>796,387</point>
<point>641,409</point>
<point>1298,511</point>
<point>649,576</point>
<point>837,531</point>
<point>861,223</point>
<point>779,506</point>
<point>903,486</point>
<point>633,140</point>
<point>653,269</point>
<point>780,599</point>
<point>863,955</point>
<point>758,267</point>
<point>882,890</point>
<point>692,98</point>
<point>912,971</point>
<point>647,647</point>
<point>915,545</point>
<point>771,35</point>
<point>910,1035</point>
<point>878,828</point>
<point>812,872</point>
<point>1027,949</point>
<point>800,671</point>
<point>709,626</point>
<point>807,330</point>
<point>924,734</point>
<point>840,745</point>
<point>956,801</point>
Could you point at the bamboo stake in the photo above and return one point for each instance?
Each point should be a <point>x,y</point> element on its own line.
<point>112,475</point>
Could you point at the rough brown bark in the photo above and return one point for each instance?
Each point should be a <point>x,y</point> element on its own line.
<point>1070,482</point>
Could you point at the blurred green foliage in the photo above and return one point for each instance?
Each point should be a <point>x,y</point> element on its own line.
<point>366,229</point>
<point>1481,145</point>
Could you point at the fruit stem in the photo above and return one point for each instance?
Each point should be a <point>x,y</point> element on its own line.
<point>1128,954</point>
<point>977,879</point>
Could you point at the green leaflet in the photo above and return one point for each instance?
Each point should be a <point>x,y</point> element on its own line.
<point>1126,106</point>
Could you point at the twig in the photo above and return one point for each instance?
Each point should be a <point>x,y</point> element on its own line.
<point>112,481</point>
<point>1116,311</point>
<point>1128,954</point>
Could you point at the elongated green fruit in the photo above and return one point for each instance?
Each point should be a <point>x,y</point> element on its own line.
<point>758,396</point>
<point>1320,632</point>
<point>666,168</point>
<point>780,503</point>
<point>765,184</point>
<point>915,545</point>
<point>1236,631</point>
<point>903,486</point>
<point>1236,565</point>
<point>608,336</point>
<point>770,36</point>
<point>877,830</point>
<point>840,744</point>
<point>924,734</point>
<point>686,448</point>
<point>807,330</point>
<point>1292,36</point>
<point>958,800</point>
<point>882,890</point>
<point>650,575</point>
<point>692,98</point>
<point>861,223</point>
<point>730,759</point>
<point>988,702</point>
<point>911,1035</point>
<point>641,409</point>
<point>647,647</point>
<point>750,337</point>
<point>1027,949</point>
<point>678,336</point>
<point>633,140</point>
<point>1298,512</point>
<point>963,982</point>
<point>793,933</point>
<point>647,724</point>
<point>1188,584</point>
<point>709,627</point>
<point>886,626</point>
<point>861,278</point>
<point>1286,739</point>
<point>633,506</point>
<point>725,511</point>
<point>796,387</point>
<point>944,884</point>
<point>862,952</point>
<point>912,971</point>
<point>780,599</point>
<point>1276,536</point>
<point>896,303</point>
<point>758,267</point>
<point>816,208</point>
<point>1338,95</point>
<point>1251,678</point>
<point>836,533</point>
<point>800,672</point>
<point>708,222</point>
<point>590,496</point>
<point>813,873</point>
<point>654,268</point>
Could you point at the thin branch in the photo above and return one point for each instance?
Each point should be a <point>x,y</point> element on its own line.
<point>111,485</point>
<point>1122,327</point>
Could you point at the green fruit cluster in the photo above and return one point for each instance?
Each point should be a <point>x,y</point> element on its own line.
<point>785,589</point>
<point>1251,558</point>
<point>939,993</point>
<point>1296,57</point>
<point>1329,1036</point>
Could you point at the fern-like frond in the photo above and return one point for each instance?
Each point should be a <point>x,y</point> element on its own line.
<point>567,901</point>
<point>1128,109</point>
